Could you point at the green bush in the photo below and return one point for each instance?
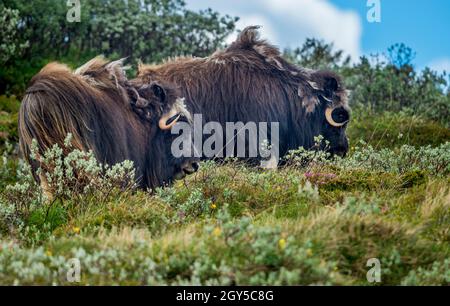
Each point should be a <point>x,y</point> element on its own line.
<point>149,30</point>
<point>9,108</point>
<point>386,86</point>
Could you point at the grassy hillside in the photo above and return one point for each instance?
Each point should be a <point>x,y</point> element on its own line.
<point>230,224</point>
<point>314,221</point>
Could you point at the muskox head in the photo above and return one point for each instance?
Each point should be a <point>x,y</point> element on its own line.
<point>97,105</point>
<point>330,111</point>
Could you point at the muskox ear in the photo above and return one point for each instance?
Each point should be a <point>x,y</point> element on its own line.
<point>159,92</point>
<point>326,84</point>
<point>329,88</point>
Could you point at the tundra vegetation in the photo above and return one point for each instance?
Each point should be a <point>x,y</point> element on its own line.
<point>313,221</point>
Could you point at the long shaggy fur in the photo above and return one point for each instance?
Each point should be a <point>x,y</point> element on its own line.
<point>103,113</point>
<point>251,81</point>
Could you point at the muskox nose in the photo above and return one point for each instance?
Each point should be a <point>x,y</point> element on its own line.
<point>339,151</point>
<point>341,148</point>
<point>342,152</point>
<point>190,167</point>
<point>187,168</point>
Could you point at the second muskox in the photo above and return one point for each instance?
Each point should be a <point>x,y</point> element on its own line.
<point>105,114</point>
<point>251,82</point>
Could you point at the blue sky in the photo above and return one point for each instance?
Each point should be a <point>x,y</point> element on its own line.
<point>422,25</point>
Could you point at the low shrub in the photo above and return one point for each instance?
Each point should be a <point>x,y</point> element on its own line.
<point>314,221</point>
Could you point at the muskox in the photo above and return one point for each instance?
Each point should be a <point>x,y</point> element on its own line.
<point>250,81</point>
<point>104,114</point>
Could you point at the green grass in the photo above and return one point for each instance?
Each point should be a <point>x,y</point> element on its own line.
<point>390,130</point>
<point>234,225</point>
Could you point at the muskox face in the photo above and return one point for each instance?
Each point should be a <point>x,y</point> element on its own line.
<point>333,114</point>
<point>334,130</point>
<point>160,106</point>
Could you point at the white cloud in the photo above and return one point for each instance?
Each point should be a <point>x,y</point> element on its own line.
<point>267,29</point>
<point>320,19</point>
<point>290,22</point>
<point>440,65</point>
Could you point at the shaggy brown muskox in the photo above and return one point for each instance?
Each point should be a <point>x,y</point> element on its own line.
<point>106,115</point>
<point>251,82</point>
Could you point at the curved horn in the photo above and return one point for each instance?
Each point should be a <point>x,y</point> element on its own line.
<point>329,116</point>
<point>168,120</point>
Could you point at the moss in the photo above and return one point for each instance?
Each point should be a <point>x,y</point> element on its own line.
<point>359,183</point>
<point>406,208</point>
<point>413,178</point>
<point>292,210</point>
<point>133,210</point>
<point>389,130</point>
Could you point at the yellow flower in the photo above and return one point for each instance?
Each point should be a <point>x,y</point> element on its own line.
<point>278,188</point>
<point>76,230</point>
<point>309,252</point>
<point>48,253</point>
<point>217,231</point>
<point>213,206</point>
<point>282,243</point>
